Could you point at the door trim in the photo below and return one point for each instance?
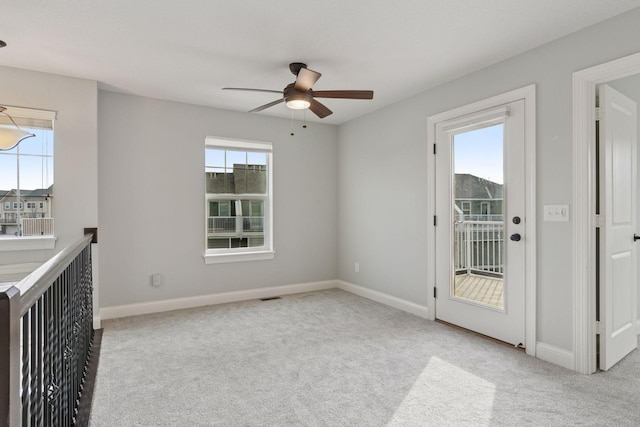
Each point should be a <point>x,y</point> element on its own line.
<point>528,94</point>
<point>584,248</point>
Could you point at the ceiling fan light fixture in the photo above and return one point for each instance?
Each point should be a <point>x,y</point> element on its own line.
<point>298,104</point>
<point>10,136</point>
<point>297,100</point>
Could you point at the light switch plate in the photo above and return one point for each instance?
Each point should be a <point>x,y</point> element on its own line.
<point>556,213</point>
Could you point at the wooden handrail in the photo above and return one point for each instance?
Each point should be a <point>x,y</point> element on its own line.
<point>34,285</point>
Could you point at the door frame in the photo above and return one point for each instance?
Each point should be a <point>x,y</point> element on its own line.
<point>528,94</point>
<point>584,202</point>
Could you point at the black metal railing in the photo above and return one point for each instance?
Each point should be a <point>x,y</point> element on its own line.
<point>46,332</point>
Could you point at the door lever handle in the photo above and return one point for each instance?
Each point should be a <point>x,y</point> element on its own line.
<point>635,237</point>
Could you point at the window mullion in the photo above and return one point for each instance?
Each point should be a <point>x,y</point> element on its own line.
<point>238,203</point>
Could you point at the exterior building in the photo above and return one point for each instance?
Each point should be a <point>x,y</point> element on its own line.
<point>478,198</point>
<point>245,179</point>
<point>479,231</point>
<point>16,207</point>
<point>235,219</point>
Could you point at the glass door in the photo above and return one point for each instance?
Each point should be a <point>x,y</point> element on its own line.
<point>480,206</point>
<point>478,201</point>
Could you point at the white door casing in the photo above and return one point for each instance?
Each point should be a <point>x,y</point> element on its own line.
<point>584,99</point>
<point>527,94</point>
<point>618,186</point>
<point>504,324</point>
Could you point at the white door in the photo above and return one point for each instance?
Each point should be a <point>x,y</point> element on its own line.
<point>618,271</point>
<point>480,255</point>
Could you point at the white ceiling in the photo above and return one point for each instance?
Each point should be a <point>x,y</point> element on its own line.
<point>187,50</point>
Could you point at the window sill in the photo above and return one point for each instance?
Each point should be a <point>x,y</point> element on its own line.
<point>238,257</point>
<point>27,243</point>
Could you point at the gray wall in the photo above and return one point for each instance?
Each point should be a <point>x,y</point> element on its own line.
<point>151,198</point>
<point>367,180</point>
<point>382,197</point>
<point>75,145</point>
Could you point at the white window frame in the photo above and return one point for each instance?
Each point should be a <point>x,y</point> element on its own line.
<point>29,117</point>
<point>7,205</point>
<point>265,252</point>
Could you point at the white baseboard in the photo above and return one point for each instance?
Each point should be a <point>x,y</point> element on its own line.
<point>127,310</point>
<point>395,302</point>
<point>555,355</point>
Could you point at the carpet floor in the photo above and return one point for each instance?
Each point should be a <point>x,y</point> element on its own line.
<point>332,358</point>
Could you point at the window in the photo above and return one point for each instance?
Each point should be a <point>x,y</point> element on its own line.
<point>485,208</point>
<point>238,193</point>
<point>26,179</point>
<point>466,208</point>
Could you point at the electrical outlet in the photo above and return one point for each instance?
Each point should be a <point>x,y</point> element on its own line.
<point>357,267</point>
<point>156,279</point>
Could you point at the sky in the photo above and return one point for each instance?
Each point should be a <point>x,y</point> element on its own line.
<point>36,171</point>
<point>215,160</point>
<point>480,153</point>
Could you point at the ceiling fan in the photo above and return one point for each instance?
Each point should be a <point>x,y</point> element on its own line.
<point>299,95</point>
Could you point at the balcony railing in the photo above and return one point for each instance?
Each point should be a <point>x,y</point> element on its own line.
<point>226,225</point>
<point>483,217</point>
<point>479,247</point>
<point>222,224</point>
<point>36,226</point>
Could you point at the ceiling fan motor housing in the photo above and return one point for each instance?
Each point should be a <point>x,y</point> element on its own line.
<point>291,94</point>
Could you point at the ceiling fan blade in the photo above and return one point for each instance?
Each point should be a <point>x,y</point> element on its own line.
<point>265,106</point>
<point>319,109</point>
<point>306,78</point>
<point>346,94</point>
<point>251,90</point>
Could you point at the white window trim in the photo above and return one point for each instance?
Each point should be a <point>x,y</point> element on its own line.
<point>489,105</point>
<point>238,256</point>
<point>30,113</point>
<point>28,243</point>
<point>266,252</point>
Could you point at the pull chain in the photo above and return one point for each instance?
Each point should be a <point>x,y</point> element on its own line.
<point>292,134</point>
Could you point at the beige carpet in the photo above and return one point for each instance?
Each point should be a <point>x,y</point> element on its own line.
<point>331,358</point>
